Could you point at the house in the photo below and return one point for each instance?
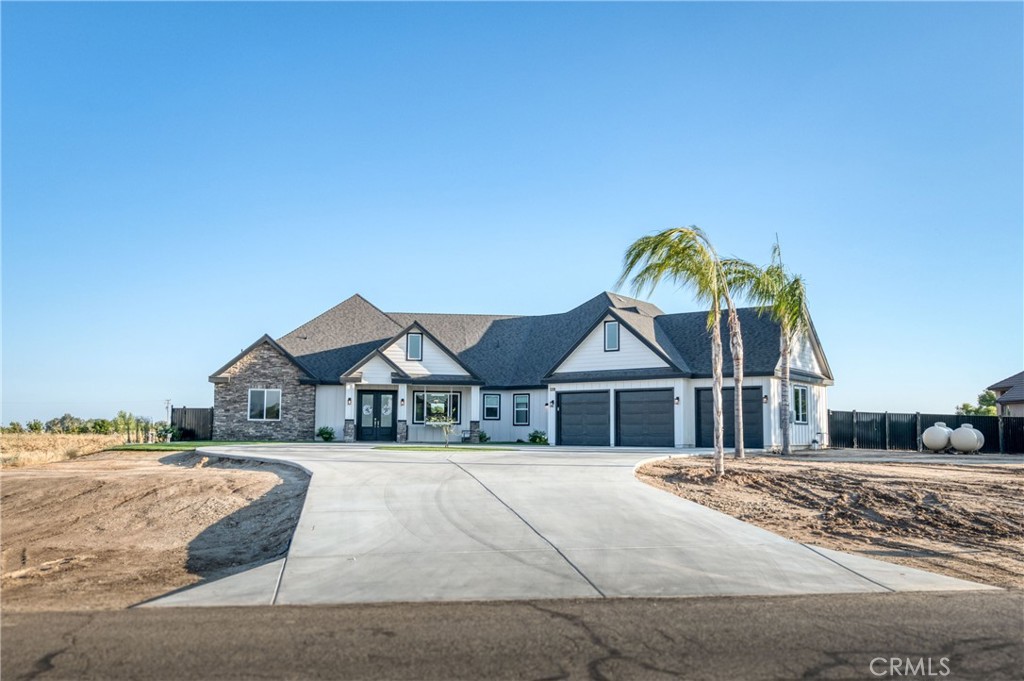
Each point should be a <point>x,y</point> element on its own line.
<point>613,371</point>
<point>1010,395</point>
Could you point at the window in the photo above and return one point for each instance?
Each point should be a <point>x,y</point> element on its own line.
<point>520,410</point>
<point>799,404</point>
<point>264,405</point>
<point>611,336</point>
<point>414,346</point>
<point>427,405</point>
<point>492,407</point>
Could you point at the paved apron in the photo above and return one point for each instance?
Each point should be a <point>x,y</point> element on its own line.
<point>387,525</point>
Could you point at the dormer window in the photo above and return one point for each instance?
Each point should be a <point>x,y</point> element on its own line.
<point>611,336</point>
<point>414,347</point>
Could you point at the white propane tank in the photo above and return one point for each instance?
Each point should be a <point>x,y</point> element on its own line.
<point>965,438</point>
<point>981,438</point>
<point>936,438</point>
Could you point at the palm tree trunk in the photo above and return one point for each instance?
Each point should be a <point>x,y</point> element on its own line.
<point>716,391</point>
<point>786,425</point>
<point>736,345</point>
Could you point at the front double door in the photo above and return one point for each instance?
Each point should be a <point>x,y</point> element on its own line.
<point>375,420</point>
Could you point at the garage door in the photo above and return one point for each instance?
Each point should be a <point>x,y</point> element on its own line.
<point>583,419</point>
<point>753,418</point>
<point>645,418</point>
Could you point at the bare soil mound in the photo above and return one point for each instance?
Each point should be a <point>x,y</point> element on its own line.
<point>959,520</point>
<point>116,528</point>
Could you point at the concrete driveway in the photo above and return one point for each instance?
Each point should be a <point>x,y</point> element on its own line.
<point>386,525</point>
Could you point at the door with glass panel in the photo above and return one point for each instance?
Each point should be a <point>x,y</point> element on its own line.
<point>375,420</point>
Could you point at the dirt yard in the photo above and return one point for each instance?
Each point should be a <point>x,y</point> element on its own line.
<point>113,529</point>
<point>959,520</point>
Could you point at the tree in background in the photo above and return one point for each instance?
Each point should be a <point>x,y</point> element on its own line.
<point>34,426</point>
<point>986,406</point>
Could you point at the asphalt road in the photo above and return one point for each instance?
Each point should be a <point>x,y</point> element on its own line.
<point>975,635</point>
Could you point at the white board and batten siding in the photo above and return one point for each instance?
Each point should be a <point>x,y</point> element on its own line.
<point>435,360</point>
<point>802,434</point>
<point>503,430</point>
<point>330,408</point>
<point>590,355</point>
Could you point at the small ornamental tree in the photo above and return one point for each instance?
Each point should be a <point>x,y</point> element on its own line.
<point>443,422</point>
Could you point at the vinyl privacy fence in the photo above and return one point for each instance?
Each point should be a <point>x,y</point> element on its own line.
<point>902,432</point>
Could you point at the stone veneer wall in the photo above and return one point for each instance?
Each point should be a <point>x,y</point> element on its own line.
<point>263,367</point>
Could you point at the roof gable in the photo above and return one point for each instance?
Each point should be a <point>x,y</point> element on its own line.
<point>217,376</point>
<point>436,358</point>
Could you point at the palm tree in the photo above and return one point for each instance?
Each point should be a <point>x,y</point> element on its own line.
<point>783,295</point>
<point>685,255</point>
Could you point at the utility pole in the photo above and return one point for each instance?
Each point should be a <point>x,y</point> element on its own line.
<point>167,407</point>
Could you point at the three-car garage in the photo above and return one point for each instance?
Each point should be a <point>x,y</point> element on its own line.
<point>647,418</point>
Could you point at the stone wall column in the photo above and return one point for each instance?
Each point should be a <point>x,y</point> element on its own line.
<point>403,431</point>
<point>474,432</point>
<point>350,430</point>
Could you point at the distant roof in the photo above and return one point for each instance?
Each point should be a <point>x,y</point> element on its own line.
<point>519,351</point>
<point>1012,389</point>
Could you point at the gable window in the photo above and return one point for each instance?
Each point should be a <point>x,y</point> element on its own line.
<point>426,406</point>
<point>800,404</point>
<point>611,336</point>
<point>492,407</point>
<point>520,410</point>
<point>414,347</point>
<point>264,404</point>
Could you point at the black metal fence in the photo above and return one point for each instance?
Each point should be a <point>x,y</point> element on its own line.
<point>902,432</point>
<point>193,423</point>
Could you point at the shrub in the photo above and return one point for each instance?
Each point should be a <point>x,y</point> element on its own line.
<point>15,427</point>
<point>35,426</point>
<point>484,437</point>
<point>325,433</point>
<point>539,437</point>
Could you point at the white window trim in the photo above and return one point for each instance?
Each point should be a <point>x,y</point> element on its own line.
<point>423,422</point>
<point>515,410</point>
<point>280,402</point>
<point>618,336</point>
<point>483,405</point>
<point>408,353</point>
<point>806,403</point>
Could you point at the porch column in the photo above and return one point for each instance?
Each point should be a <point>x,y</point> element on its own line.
<point>551,409</point>
<point>402,424</point>
<point>350,412</point>
<point>474,413</point>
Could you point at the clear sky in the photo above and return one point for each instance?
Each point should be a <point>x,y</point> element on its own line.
<point>179,179</point>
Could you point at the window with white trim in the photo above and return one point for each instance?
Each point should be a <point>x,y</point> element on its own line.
<point>414,347</point>
<point>521,410</point>
<point>492,407</point>
<point>800,396</point>
<point>264,404</point>
<point>611,336</point>
<point>426,406</point>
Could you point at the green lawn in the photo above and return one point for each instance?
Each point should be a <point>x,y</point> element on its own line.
<point>439,448</point>
<point>181,446</point>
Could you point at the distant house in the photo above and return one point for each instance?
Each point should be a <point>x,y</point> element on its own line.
<point>1010,395</point>
<point>613,371</point>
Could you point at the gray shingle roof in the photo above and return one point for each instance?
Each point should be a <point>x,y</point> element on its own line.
<point>1013,387</point>
<point>511,351</point>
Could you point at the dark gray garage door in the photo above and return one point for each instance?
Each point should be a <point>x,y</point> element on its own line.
<point>753,418</point>
<point>645,418</point>
<point>583,419</point>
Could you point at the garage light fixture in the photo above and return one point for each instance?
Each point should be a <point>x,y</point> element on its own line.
<point>677,400</point>
<point>764,400</point>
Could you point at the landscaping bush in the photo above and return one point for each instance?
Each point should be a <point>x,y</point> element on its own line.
<point>484,437</point>
<point>539,437</point>
<point>325,433</point>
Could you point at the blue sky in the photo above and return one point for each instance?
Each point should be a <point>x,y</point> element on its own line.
<point>179,179</point>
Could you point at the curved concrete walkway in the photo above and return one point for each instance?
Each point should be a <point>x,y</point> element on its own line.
<point>387,525</point>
